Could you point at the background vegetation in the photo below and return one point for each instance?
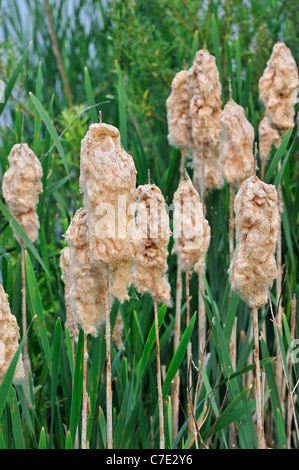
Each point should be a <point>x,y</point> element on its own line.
<point>122,57</point>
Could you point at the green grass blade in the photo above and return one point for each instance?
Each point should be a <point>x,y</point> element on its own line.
<point>278,156</point>
<point>42,443</point>
<point>16,420</point>
<point>178,357</point>
<point>10,85</point>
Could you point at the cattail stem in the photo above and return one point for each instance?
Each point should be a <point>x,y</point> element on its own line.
<point>182,165</point>
<point>290,409</point>
<point>26,358</point>
<point>201,319</point>
<point>177,330</point>
<point>159,380</point>
<point>258,389</point>
<point>85,395</point>
<point>108,370</point>
<point>189,355</point>
<point>58,54</point>
<point>279,373</point>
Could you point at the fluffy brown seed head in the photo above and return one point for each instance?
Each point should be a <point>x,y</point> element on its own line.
<point>278,88</point>
<point>253,267</point>
<point>108,182</point>
<point>117,336</point>
<point>267,136</point>
<point>206,165</point>
<point>88,282</point>
<point>71,320</point>
<point>178,113</point>
<point>21,188</point>
<point>191,229</point>
<point>153,221</point>
<point>237,136</point>
<point>9,339</point>
<point>205,109</point>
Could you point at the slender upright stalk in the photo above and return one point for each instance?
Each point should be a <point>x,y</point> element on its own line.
<point>201,287</point>
<point>58,54</point>
<point>177,329</point>
<point>279,373</point>
<point>258,389</point>
<point>85,395</point>
<point>233,338</point>
<point>159,380</point>
<point>290,410</point>
<point>26,358</point>
<point>189,356</point>
<point>108,371</point>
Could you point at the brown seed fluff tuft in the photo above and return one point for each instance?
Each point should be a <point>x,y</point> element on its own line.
<point>71,320</point>
<point>87,280</point>
<point>108,182</point>
<point>117,336</point>
<point>190,228</point>
<point>237,137</point>
<point>253,267</point>
<point>21,188</point>
<point>9,339</point>
<point>267,136</point>
<point>278,88</point>
<point>153,221</point>
<point>178,113</point>
<point>205,108</point>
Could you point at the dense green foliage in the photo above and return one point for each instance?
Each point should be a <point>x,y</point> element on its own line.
<point>122,57</point>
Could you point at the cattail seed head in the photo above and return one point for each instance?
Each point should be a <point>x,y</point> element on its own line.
<point>71,320</point>
<point>237,136</point>
<point>118,332</point>
<point>191,229</point>
<point>108,176</point>
<point>267,136</point>
<point>9,339</point>
<point>88,284</point>
<point>153,221</point>
<point>21,188</point>
<point>253,267</point>
<point>178,113</point>
<point>278,88</point>
<point>205,108</point>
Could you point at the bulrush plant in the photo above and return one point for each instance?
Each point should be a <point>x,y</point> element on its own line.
<point>71,318</point>
<point>180,136</point>
<point>191,242</point>
<point>253,267</point>
<point>205,108</point>
<point>108,184</point>
<point>150,274</point>
<point>21,188</point>
<point>86,293</point>
<point>237,164</point>
<point>278,89</point>
<point>9,340</point>
<point>268,136</point>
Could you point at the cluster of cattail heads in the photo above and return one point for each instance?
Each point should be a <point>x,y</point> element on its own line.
<point>9,339</point>
<point>237,136</point>
<point>191,229</point>
<point>278,88</point>
<point>108,182</point>
<point>153,222</point>
<point>193,110</point>
<point>253,267</point>
<point>21,188</point>
<point>88,282</point>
